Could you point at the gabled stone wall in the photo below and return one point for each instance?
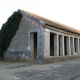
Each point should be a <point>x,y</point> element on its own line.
<point>21,42</point>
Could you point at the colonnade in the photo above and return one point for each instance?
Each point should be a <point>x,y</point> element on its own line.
<point>61,45</point>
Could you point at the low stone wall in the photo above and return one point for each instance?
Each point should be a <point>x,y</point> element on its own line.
<point>61,58</point>
<point>16,56</point>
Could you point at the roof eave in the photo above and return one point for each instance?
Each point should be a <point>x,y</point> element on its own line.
<point>61,28</point>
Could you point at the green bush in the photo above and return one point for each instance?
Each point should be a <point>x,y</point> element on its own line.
<point>8,31</point>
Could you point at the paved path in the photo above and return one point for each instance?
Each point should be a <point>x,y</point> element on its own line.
<point>67,70</point>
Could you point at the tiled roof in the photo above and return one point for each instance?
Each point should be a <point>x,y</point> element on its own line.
<point>53,23</point>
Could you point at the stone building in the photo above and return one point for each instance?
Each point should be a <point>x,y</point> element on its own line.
<point>40,38</point>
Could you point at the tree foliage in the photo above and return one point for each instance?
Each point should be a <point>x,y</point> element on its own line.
<point>8,31</point>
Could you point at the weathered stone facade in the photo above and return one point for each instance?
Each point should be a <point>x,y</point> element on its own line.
<point>40,38</point>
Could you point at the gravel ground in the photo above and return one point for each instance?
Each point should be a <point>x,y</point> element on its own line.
<point>67,70</point>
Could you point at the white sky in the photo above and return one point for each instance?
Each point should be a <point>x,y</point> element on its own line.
<point>63,11</point>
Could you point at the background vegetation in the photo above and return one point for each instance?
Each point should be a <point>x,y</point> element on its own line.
<point>8,31</point>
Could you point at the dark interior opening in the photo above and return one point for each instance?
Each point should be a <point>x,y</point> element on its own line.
<point>51,44</point>
<point>71,44</point>
<point>75,44</point>
<point>35,45</point>
<point>65,45</point>
<point>59,45</point>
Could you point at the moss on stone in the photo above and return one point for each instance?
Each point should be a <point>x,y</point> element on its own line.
<point>8,31</point>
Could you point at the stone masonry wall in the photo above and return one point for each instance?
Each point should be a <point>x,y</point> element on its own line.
<point>19,42</point>
<point>19,48</point>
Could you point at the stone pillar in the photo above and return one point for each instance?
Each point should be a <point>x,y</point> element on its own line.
<point>46,44</point>
<point>72,45</point>
<point>79,46</point>
<point>40,44</point>
<point>56,45</point>
<point>61,45</point>
<point>68,45</point>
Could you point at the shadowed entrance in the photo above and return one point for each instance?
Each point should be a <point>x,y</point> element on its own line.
<point>34,44</point>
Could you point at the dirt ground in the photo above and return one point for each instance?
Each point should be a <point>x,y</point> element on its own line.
<point>67,70</point>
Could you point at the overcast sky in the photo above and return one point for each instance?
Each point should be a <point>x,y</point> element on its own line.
<point>63,11</point>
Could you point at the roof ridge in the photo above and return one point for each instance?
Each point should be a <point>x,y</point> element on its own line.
<point>37,15</point>
<point>55,22</point>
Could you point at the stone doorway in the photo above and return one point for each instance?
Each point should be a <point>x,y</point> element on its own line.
<point>34,44</point>
<point>51,44</point>
<point>65,45</point>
